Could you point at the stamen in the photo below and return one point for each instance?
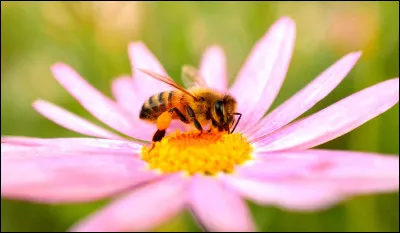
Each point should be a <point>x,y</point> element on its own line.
<point>192,152</point>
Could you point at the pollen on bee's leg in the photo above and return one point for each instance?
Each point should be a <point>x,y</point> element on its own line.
<point>209,153</point>
<point>164,120</point>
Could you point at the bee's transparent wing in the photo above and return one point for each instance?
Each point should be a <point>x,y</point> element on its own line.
<point>166,79</point>
<point>191,77</point>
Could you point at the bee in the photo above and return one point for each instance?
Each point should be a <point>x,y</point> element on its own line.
<point>198,105</point>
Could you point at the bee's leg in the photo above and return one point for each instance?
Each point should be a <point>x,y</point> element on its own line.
<point>179,114</point>
<point>158,135</point>
<point>163,122</point>
<point>193,117</point>
<point>214,125</point>
<point>197,125</point>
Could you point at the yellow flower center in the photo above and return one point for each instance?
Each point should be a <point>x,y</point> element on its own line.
<point>192,152</point>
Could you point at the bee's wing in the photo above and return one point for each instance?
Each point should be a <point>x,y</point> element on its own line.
<point>167,80</point>
<point>191,77</point>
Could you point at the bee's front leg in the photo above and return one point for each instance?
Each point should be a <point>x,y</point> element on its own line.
<point>215,126</point>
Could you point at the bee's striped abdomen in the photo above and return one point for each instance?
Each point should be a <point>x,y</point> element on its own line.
<point>155,105</point>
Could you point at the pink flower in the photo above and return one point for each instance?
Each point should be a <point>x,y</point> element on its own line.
<point>278,165</point>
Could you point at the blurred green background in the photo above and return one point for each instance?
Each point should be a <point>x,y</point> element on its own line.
<point>93,38</point>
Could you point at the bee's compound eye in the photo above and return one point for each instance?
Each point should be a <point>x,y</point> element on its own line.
<point>219,108</point>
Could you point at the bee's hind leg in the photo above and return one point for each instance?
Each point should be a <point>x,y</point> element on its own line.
<point>163,122</point>
<point>158,135</point>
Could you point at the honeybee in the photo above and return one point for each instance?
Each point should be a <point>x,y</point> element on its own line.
<point>198,105</point>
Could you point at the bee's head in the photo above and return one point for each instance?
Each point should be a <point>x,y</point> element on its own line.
<point>224,112</point>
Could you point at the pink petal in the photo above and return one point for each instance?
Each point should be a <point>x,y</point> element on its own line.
<point>145,86</point>
<point>348,165</point>
<point>334,120</point>
<point>276,165</point>
<point>219,208</point>
<point>141,57</point>
<point>213,68</point>
<point>327,164</point>
<point>262,75</point>
<point>308,96</point>
<point>139,210</point>
<point>125,94</point>
<point>288,195</point>
<point>71,121</point>
<point>90,145</point>
<point>96,103</point>
<point>327,177</point>
<point>46,174</point>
